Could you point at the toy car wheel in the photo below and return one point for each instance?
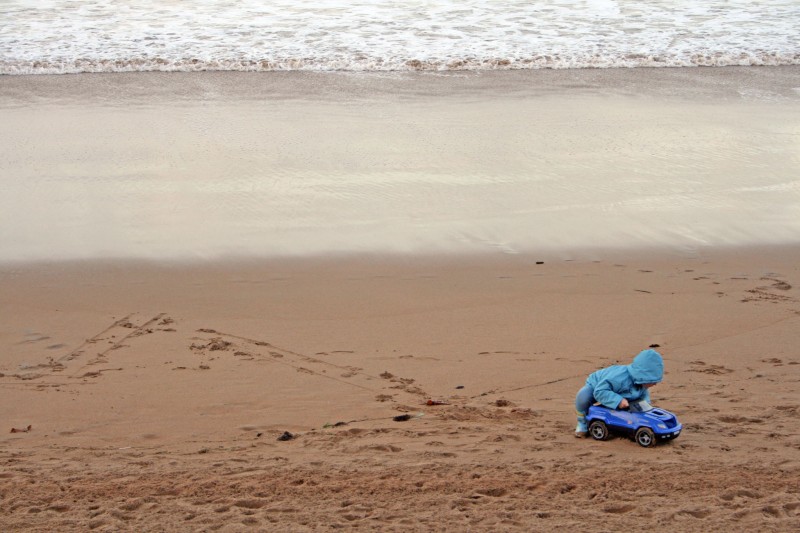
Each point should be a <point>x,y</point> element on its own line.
<point>598,430</point>
<point>645,437</point>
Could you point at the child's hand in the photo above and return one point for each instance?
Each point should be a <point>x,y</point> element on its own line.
<point>623,404</point>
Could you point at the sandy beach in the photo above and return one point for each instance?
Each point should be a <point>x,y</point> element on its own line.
<point>179,354</point>
<point>156,395</point>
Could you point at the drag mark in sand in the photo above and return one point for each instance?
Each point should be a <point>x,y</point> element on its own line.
<point>303,357</point>
<point>737,334</point>
<point>136,332</point>
<point>268,352</point>
<point>77,352</point>
<point>277,355</point>
<point>98,373</point>
<point>534,385</point>
<point>54,366</point>
<point>306,364</point>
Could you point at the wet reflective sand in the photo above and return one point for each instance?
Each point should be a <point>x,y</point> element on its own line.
<point>182,166</point>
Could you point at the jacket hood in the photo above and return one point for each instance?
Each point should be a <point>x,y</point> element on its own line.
<point>647,367</point>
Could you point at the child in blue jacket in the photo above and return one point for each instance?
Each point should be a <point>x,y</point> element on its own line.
<point>616,385</point>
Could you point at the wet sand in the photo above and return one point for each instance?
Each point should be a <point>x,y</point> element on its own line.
<point>156,394</point>
<point>222,165</point>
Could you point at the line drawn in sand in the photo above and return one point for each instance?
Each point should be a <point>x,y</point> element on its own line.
<point>136,331</point>
<point>278,355</point>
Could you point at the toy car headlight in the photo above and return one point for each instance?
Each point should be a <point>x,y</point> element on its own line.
<point>662,426</point>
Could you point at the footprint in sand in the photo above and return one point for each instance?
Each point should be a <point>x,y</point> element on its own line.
<point>502,438</point>
<point>382,448</point>
<point>28,376</point>
<point>760,294</point>
<point>33,337</point>
<point>619,508</point>
<point>733,419</point>
<point>778,284</point>
<point>251,504</point>
<point>694,513</point>
<point>709,369</point>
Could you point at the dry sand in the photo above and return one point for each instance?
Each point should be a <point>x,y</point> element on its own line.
<point>156,394</point>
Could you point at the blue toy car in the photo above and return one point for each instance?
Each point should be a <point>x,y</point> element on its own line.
<point>645,423</point>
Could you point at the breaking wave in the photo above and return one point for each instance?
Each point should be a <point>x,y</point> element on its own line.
<point>64,36</point>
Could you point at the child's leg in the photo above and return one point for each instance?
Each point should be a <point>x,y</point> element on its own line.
<point>583,400</point>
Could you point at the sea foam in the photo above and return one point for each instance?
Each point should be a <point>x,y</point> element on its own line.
<point>63,36</point>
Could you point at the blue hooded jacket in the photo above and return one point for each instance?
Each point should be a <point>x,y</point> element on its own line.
<point>613,383</point>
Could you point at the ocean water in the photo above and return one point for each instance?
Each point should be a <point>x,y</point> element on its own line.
<point>73,36</point>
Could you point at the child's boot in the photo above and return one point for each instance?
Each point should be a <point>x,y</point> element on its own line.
<point>581,430</point>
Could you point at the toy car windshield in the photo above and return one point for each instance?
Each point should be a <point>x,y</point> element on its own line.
<point>640,407</point>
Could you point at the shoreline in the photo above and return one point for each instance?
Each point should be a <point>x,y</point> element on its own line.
<point>674,82</point>
<point>444,259</point>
